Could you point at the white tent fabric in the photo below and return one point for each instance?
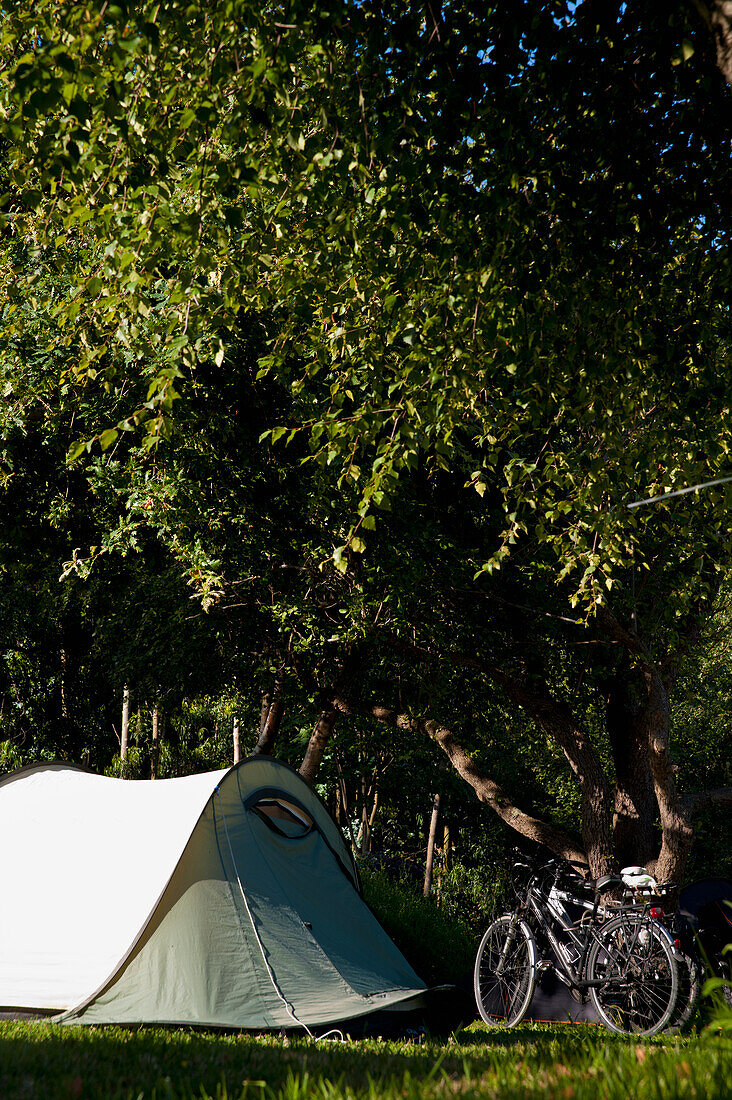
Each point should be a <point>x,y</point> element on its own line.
<point>58,823</point>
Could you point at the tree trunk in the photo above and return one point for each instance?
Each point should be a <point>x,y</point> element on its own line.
<point>654,719</point>
<point>155,752</point>
<point>374,806</point>
<point>720,12</point>
<point>237,743</point>
<point>677,833</point>
<point>269,720</point>
<point>63,685</point>
<point>364,836</point>
<point>323,731</point>
<point>125,736</point>
<point>369,807</point>
<point>431,846</point>
<point>344,802</point>
<point>635,801</point>
<point>319,738</point>
<point>339,815</point>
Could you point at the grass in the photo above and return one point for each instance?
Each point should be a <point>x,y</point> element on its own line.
<point>40,1060</point>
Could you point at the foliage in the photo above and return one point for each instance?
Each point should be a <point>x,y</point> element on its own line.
<point>322,330</point>
<point>719,993</point>
<point>472,895</point>
<point>225,166</point>
<point>537,1061</point>
<point>9,757</point>
<point>437,945</point>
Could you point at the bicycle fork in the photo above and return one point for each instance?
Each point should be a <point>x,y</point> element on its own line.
<point>506,947</point>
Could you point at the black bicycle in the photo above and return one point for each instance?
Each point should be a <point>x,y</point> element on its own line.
<point>618,956</point>
<point>658,900</point>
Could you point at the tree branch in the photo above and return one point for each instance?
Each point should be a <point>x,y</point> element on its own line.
<point>704,800</point>
<point>556,720</point>
<point>486,789</point>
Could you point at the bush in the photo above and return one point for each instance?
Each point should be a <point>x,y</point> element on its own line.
<point>473,895</point>
<point>440,947</point>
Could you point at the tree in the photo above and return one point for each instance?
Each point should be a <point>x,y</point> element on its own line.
<point>455,248</point>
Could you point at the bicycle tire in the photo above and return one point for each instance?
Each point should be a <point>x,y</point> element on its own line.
<point>691,980</point>
<point>504,977</point>
<point>635,958</point>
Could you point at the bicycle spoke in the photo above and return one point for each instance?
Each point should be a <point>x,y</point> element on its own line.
<point>640,977</point>
<point>504,973</point>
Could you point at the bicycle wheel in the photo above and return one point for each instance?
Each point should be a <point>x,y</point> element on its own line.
<point>634,959</point>
<point>691,979</point>
<point>505,972</point>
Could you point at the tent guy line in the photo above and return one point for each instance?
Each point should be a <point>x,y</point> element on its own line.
<point>681,492</point>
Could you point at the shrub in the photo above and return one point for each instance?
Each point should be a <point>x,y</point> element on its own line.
<point>440,947</point>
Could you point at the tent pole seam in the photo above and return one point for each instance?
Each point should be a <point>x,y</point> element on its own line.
<point>288,1008</point>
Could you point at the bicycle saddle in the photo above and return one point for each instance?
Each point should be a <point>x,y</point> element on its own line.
<point>607,882</point>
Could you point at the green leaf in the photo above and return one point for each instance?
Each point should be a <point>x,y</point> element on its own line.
<point>107,438</point>
<point>339,559</point>
<point>76,450</point>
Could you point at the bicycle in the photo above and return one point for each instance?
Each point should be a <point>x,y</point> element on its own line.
<point>618,956</point>
<point>649,896</point>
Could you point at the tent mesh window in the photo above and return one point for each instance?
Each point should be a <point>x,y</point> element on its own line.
<point>283,816</point>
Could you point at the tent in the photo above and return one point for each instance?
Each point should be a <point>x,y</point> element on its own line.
<point>553,1001</point>
<point>225,899</point>
<point>707,907</point>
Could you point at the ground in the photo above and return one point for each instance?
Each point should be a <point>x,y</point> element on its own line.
<point>569,1062</point>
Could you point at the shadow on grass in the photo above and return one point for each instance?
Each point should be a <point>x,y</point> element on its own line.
<point>45,1060</point>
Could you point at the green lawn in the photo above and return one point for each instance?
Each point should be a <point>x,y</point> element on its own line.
<point>564,1061</point>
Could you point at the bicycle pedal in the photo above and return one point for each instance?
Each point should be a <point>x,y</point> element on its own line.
<point>543,965</point>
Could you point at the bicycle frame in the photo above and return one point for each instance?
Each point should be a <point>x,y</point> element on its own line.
<point>570,971</point>
<point>619,955</point>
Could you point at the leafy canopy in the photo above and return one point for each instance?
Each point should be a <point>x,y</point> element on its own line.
<point>488,244</point>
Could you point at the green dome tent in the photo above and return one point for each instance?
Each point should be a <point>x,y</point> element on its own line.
<point>225,899</point>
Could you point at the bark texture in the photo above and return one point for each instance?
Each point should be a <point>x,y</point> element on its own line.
<point>635,801</point>
<point>269,720</point>
<point>654,726</point>
<point>434,817</point>
<point>332,702</point>
<point>155,749</point>
<point>319,739</point>
<point>720,17</point>
<point>236,737</point>
<point>677,831</point>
